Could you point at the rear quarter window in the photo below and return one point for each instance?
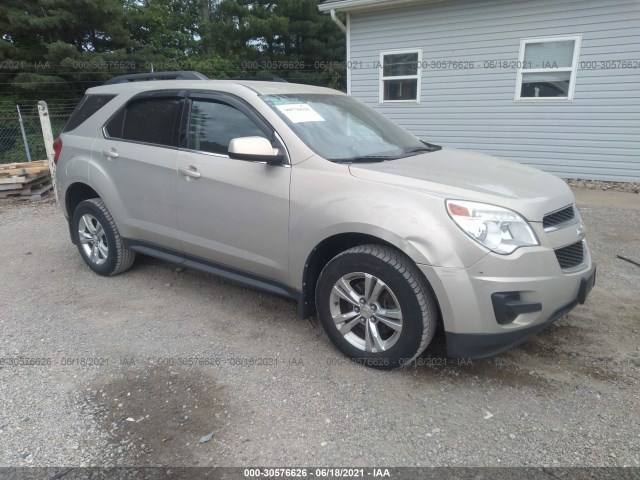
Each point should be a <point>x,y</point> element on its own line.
<point>89,105</point>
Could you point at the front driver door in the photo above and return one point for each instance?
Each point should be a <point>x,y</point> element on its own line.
<point>232,213</point>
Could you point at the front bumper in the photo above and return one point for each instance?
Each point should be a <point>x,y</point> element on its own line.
<point>472,315</point>
<point>470,345</point>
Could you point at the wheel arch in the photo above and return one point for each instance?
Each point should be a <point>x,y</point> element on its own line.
<point>328,249</point>
<point>76,193</point>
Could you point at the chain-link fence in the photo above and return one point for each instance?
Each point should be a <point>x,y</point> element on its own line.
<point>13,147</point>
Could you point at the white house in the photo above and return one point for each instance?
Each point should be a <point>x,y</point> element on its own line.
<point>549,83</point>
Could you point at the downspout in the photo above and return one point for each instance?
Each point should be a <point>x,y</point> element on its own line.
<point>347,31</point>
<point>337,21</point>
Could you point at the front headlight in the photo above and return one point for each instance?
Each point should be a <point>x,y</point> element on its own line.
<point>499,229</point>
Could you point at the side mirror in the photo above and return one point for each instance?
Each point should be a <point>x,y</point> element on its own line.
<point>254,149</point>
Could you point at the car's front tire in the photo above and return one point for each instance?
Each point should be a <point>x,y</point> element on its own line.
<point>376,307</point>
<point>98,239</point>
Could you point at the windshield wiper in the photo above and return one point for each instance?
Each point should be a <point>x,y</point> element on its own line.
<point>366,159</point>
<point>428,147</point>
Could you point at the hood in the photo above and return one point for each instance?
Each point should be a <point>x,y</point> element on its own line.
<point>464,175</point>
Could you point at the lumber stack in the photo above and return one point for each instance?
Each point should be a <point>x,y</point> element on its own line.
<point>28,181</point>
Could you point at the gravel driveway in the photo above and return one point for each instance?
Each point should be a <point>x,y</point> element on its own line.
<point>138,368</point>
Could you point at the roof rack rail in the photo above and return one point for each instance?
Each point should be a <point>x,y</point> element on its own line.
<point>261,79</point>
<point>143,77</point>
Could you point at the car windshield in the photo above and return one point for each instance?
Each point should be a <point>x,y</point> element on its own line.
<point>342,129</point>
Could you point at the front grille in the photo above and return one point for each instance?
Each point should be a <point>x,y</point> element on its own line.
<point>571,256</point>
<point>558,217</point>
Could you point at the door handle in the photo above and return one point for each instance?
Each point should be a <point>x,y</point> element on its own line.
<point>190,172</point>
<point>110,153</point>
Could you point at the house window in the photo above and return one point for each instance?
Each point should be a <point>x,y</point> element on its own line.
<point>547,68</point>
<point>400,76</point>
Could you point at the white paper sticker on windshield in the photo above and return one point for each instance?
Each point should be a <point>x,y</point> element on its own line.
<point>300,112</point>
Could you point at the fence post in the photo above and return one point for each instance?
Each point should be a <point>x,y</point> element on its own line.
<point>24,135</point>
<point>47,134</point>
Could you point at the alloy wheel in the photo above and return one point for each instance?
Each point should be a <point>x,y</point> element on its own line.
<point>366,312</point>
<point>93,239</point>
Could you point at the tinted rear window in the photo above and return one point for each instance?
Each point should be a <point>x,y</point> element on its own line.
<point>89,105</point>
<point>151,120</point>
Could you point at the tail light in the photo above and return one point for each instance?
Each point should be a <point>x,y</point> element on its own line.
<point>57,148</point>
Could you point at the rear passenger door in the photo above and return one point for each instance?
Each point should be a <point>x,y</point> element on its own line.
<point>136,153</point>
<point>232,213</point>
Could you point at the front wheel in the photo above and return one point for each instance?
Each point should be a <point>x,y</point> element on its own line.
<point>376,307</point>
<point>98,239</point>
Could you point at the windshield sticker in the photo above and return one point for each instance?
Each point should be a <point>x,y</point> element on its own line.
<point>300,112</point>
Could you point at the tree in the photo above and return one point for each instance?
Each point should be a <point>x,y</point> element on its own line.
<point>42,38</point>
<point>89,25</point>
<point>163,27</point>
<point>59,48</point>
<point>291,38</point>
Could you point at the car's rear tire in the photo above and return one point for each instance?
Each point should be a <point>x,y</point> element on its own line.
<point>376,307</point>
<point>98,239</point>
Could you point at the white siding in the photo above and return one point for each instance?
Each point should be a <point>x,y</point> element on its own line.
<point>597,136</point>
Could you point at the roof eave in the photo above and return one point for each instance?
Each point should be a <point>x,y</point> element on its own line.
<point>362,5</point>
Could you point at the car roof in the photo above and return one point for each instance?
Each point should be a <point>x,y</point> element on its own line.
<point>258,87</point>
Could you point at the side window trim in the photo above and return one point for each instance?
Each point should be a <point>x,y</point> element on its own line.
<point>178,94</point>
<point>238,104</point>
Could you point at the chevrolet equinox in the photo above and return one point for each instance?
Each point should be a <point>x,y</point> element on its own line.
<point>309,194</point>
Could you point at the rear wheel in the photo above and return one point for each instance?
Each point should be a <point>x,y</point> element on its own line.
<point>98,239</point>
<point>375,306</point>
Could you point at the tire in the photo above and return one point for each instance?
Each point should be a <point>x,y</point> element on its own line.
<point>389,326</point>
<point>98,240</point>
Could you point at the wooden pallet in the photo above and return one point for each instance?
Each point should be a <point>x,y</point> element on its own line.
<point>40,194</point>
<point>16,182</point>
<point>26,168</point>
<point>28,181</point>
<point>36,163</point>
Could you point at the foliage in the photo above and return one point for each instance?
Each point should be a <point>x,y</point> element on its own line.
<point>59,48</point>
<point>56,49</point>
<point>286,38</point>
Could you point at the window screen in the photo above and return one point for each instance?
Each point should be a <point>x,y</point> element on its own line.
<point>549,54</point>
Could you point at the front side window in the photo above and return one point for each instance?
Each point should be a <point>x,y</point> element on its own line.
<point>342,129</point>
<point>400,76</point>
<point>212,126</point>
<point>547,68</point>
<point>147,120</point>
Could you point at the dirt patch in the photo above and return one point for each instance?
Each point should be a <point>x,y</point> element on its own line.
<point>566,352</point>
<point>159,416</point>
<point>499,371</point>
<point>558,339</point>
